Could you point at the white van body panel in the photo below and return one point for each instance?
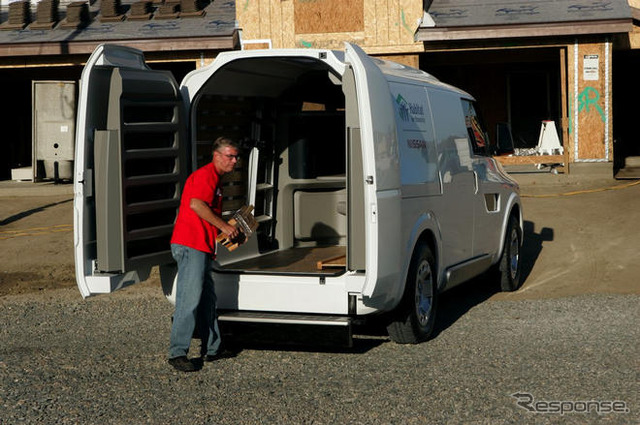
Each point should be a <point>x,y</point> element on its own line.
<point>422,183</point>
<point>90,284</point>
<point>378,128</point>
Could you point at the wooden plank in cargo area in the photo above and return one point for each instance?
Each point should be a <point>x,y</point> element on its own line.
<point>331,262</point>
<point>292,260</point>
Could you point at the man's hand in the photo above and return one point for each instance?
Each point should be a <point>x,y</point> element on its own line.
<point>230,231</point>
<point>204,212</point>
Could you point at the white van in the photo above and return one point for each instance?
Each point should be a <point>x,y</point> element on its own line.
<point>370,182</point>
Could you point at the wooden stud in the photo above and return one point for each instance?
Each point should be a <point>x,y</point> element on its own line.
<point>564,124</point>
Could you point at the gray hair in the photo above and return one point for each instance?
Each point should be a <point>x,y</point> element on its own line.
<point>222,142</point>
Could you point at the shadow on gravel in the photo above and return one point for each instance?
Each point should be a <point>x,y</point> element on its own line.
<point>532,246</point>
<point>456,302</point>
<point>27,213</point>
<point>304,338</point>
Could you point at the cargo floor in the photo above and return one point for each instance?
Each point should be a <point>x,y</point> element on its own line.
<point>316,260</point>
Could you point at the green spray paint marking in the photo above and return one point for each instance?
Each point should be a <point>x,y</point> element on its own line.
<point>404,22</point>
<point>589,97</point>
<point>571,116</point>
<point>586,99</point>
<point>306,43</point>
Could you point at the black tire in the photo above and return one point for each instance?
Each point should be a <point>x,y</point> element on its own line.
<point>509,266</point>
<point>414,318</point>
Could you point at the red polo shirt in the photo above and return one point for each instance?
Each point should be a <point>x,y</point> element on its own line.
<point>190,230</point>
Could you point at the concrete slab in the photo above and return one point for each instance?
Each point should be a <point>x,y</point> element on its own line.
<point>631,169</point>
<point>582,176</point>
<point>11,188</point>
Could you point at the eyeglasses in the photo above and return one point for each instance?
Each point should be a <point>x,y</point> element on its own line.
<point>237,157</point>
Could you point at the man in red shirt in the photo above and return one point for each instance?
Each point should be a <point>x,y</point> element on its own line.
<point>193,246</point>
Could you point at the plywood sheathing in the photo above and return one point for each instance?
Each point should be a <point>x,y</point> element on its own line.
<point>328,16</point>
<point>593,105</point>
<point>409,60</point>
<point>379,26</point>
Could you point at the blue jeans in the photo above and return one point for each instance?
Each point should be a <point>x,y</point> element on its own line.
<point>195,302</point>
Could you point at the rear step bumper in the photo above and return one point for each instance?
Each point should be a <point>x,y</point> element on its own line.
<point>283,318</point>
<point>289,328</point>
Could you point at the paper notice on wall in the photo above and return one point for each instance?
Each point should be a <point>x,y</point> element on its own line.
<point>590,67</point>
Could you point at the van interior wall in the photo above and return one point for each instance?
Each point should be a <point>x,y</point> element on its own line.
<point>300,136</point>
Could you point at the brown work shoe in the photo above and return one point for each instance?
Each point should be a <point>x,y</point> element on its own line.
<point>183,364</point>
<point>222,354</point>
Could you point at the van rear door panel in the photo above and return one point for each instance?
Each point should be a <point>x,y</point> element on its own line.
<point>382,190</point>
<point>130,142</point>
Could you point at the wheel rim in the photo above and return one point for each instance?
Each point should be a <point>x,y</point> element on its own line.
<point>514,254</point>
<point>424,293</point>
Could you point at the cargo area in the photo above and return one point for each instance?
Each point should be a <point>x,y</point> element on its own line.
<point>289,116</point>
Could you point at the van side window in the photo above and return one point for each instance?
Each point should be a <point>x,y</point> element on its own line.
<point>475,128</point>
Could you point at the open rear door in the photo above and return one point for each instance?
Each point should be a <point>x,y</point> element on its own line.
<point>377,139</point>
<point>130,163</point>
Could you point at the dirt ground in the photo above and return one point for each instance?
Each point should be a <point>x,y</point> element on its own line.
<point>36,242</point>
<point>581,236</point>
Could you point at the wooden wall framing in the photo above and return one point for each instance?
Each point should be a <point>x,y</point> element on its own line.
<point>378,26</point>
<point>587,105</point>
<point>387,27</point>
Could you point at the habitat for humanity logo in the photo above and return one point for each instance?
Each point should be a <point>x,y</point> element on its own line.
<point>409,112</point>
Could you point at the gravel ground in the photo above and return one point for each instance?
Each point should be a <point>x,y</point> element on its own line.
<point>66,360</point>
<point>569,334</point>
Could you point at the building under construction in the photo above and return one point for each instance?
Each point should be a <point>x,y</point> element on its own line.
<point>569,62</point>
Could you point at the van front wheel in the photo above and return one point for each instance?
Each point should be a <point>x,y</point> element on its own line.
<point>509,265</point>
<point>414,318</point>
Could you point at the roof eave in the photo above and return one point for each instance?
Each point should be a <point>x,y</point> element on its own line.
<point>158,45</point>
<point>427,34</point>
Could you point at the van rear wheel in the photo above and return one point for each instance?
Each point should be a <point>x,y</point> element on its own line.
<point>413,320</point>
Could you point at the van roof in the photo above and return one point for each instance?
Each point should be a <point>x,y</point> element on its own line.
<point>395,69</point>
<point>392,69</point>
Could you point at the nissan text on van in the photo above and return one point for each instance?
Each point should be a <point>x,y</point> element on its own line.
<point>370,181</point>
